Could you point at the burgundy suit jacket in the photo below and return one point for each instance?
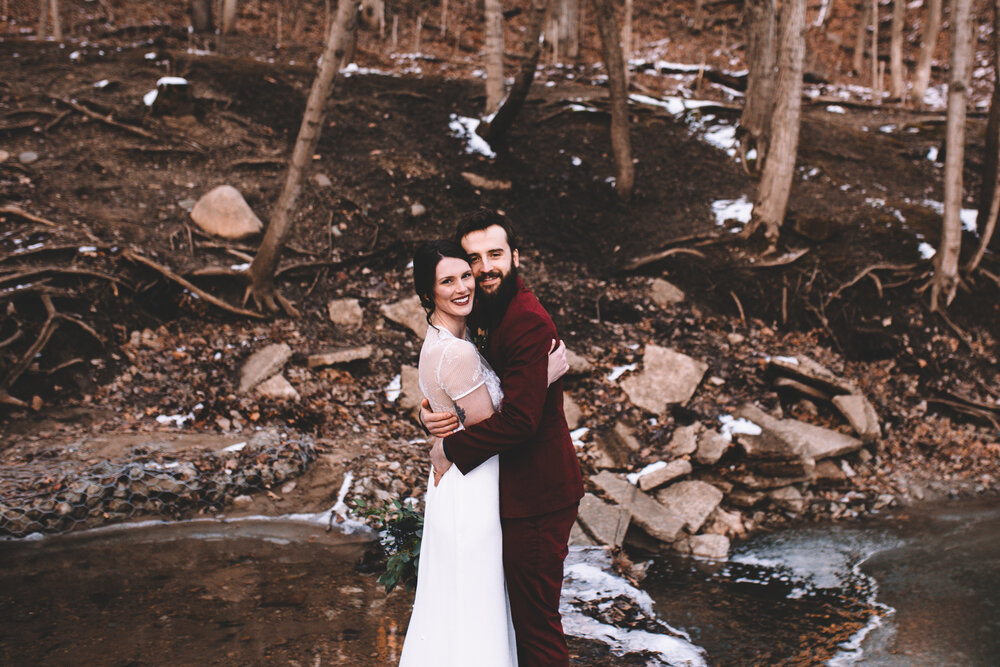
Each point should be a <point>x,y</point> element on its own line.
<point>539,472</point>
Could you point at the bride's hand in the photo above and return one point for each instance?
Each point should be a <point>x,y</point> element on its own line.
<point>439,461</point>
<point>558,365</point>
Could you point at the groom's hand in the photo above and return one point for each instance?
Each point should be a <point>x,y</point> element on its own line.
<point>558,364</point>
<point>439,460</point>
<point>438,424</point>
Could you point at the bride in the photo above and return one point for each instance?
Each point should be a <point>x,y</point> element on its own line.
<point>461,614</point>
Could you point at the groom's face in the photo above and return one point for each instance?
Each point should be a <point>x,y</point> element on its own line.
<point>490,257</point>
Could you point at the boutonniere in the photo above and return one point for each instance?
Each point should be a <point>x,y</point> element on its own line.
<point>481,339</point>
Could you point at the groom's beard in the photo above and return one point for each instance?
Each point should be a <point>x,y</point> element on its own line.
<point>492,307</point>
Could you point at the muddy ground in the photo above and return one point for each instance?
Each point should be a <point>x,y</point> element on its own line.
<point>386,146</point>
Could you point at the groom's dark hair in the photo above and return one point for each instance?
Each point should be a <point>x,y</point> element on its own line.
<point>425,261</point>
<point>480,219</point>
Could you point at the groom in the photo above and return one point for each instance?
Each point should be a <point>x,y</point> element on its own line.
<point>540,482</point>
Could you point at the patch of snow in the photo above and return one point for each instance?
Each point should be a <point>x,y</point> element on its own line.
<point>732,426</point>
<point>887,129</point>
<point>394,388</point>
<point>732,209</point>
<point>618,371</point>
<point>576,162</point>
<point>465,128</point>
<point>171,81</point>
<point>926,250</point>
<point>240,267</point>
<point>176,420</point>
<point>932,153</point>
<point>633,477</point>
<point>149,98</point>
<point>150,56</point>
<point>102,83</point>
<point>87,248</point>
<point>722,137</point>
<point>836,108</point>
<point>968,217</point>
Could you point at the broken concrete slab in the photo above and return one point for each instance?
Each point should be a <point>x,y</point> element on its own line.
<point>860,414</point>
<point>684,440</point>
<point>711,446</point>
<point>788,498</point>
<point>784,439</point>
<point>578,538</point>
<point>756,481</point>
<point>812,372</point>
<point>346,313</point>
<point>604,522</point>
<point>409,313</point>
<point>262,364</point>
<point>667,377</point>
<point>828,473</point>
<point>665,294</point>
<point>344,355</point>
<point>712,547</point>
<point>723,522</point>
<point>277,387</point>
<point>691,500</point>
<point>618,444</point>
<point>647,514</point>
<point>745,498</point>
<point>668,473</point>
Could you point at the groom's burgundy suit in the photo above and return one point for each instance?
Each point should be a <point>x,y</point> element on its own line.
<point>540,482</point>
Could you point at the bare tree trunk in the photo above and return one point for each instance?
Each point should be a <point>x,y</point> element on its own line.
<point>621,144</point>
<point>762,53</point>
<point>875,80</point>
<point>896,68</point>
<point>989,193</point>
<point>43,19</point>
<point>858,60</point>
<point>945,279</point>
<point>266,261</point>
<point>779,169</point>
<point>229,9</point>
<point>494,55</point>
<point>627,36</point>
<point>494,130</point>
<point>444,17</point>
<point>201,16</point>
<point>56,21</point>
<point>698,20</point>
<point>569,27</point>
<point>932,27</point>
<point>824,12</point>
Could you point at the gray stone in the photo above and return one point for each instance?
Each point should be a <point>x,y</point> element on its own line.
<point>605,523</point>
<point>578,364</point>
<point>223,212</point>
<point>665,294</point>
<point>735,338</point>
<point>667,377</point>
<point>712,547</point>
<point>788,498</point>
<point>745,498</point>
<point>572,410</point>
<point>408,313</point>
<point>652,517</point>
<point>410,395</point>
<point>829,473</point>
<point>711,446</point>
<point>691,500</point>
<point>756,482</point>
<point>617,444</point>
<point>417,209</point>
<point>668,473</point>
<point>723,522</point>
<point>4,156</point>
<point>344,355</point>
<point>578,538</point>
<point>860,414</point>
<point>187,203</point>
<point>346,313</point>
<point>27,157</point>
<point>812,372</point>
<point>277,387</point>
<point>684,440</point>
<point>262,364</point>
<point>322,180</point>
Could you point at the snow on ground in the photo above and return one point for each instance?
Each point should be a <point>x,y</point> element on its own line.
<point>465,129</point>
<point>732,209</point>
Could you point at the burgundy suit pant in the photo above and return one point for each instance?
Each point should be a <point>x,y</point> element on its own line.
<point>534,549</point>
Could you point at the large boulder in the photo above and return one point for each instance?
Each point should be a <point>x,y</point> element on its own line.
<point>604,522</point>
<point>223,212</point>
<point>691,500</point>
<point>667,377</point>
<point>652,517</point>
<point>408,313</point>
<point>263,364</point>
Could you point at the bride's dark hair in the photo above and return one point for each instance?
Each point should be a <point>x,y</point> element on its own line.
<point>425,261</point>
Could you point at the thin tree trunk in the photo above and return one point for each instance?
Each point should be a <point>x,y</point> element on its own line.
<point>698,21</point>
<point>627,36</point>
<point>229,9</point>
<point>495,130</point>
<point>989,193</point>
<point>43,19</point>
<point>945,279</point>
<point>444,17</point>
<point>762,52</point>
<point>896,68</point>
<point>824,12</point>
<point>56,21</point>
<point>875,80</point>
<point>201,16</point>
<point>779,169</point>
<point>621,144</point>
<point>494,55</point>
<point>928,44</point>
<point>266,261</point>
<point>858,60</point>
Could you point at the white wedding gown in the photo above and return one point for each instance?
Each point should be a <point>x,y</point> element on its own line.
<point>461,615</point>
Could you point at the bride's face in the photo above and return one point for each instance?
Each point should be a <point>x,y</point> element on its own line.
<point>453,287</point>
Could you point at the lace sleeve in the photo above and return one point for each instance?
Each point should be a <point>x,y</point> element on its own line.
<point>459,371</point>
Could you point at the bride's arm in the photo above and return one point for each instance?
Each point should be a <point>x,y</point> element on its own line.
<point>475,407</point>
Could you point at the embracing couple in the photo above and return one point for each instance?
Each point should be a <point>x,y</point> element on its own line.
<point>505,481</point>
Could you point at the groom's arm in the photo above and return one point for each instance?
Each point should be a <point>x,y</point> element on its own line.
<point>525,348</point>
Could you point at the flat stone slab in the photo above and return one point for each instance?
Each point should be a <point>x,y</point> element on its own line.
<point>604,522</point>
<point>346,313</point>
<point>223,212</point>
<point>572,411</point>
<point>410,394</point>
<point>788,498</point>
<point>667,377</point>
<point>812,372</point>
<point>684,440</point>
<point>278,387</point>
<point>860,414</point>
<point>344,355</point>
<point>578,364</point>
<point>649,515</point>
<point>263,364</point>
<point>665,294</point>
<point>712,547</point>
<point>408,313</point>
<point>711,446</point>
<point>691,500</point>
<point>617,446</point>
<point>668,473</point>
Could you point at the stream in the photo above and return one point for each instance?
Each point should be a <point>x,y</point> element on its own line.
<point>919,587</point>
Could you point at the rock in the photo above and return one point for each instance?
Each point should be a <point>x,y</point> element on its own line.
<point>408,313</point>
<point>691,500</point>
<point>749,480</point>
<point>483,183</point>
<point>346,313</point>
<point>711,446</point>
<point>578,538</point>
<point>860,414</point>
<point>684,440</point>
<point>572,411</point>
<point>322,180</point>
<point>667,377</point>
<point>417,210</point>
<point>27,157</point>
<point>618,445</point>
<point>242,500</point>
<point>578,364</point>
<point>262,364</point>
<point>668,473</point>
<point>343,355</point>
<point>278,387</point>
<point>665,294</point>
<point>4,156</point>
<point>829,473</point>
<point>788,498</point>
<point>410,394</point>
<point>722,522</point>
<point>735,338</point>
<point>647,514</point>
<point>223,212</point>
<point>712,547</point>
<point>605,523</point>
<point>812,372</point>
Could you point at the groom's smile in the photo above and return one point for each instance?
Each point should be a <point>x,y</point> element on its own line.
<point>490,256</point>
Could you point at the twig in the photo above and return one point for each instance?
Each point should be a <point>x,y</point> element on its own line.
<point>640,262</point>
<point>51,323</point>
<point>864,272</point>
<point>739,306</point>
<point>782,260</point>
<point>108,120</point>
<point>21,213</point>
<point>68,270</point>
<point>215,301</point>
<point>55,121</point>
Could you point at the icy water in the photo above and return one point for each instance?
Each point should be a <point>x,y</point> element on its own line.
<point>919,588</point>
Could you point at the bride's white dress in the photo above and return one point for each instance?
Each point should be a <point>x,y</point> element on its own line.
<point>461,615</point>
